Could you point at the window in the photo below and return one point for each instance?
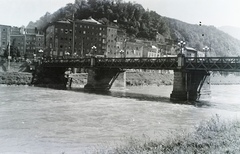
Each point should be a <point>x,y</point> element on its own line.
<point>66,31</point>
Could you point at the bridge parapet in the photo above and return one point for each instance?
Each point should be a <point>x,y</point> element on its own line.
<point>213,63</point>
<point>168,63</point>
<point>66,62</point>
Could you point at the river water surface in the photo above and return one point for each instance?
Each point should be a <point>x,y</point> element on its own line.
<point>48,121</point>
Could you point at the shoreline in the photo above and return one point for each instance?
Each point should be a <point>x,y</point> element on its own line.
<point>132,79</point>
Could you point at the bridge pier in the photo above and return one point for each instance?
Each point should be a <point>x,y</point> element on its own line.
<point>101,79</point>
<point>190,85</point>
<point>49,77</point>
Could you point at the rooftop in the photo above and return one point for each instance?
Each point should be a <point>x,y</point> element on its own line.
<point>91,20</point>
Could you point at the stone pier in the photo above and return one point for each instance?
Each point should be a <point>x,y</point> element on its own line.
<point>101,79</point>
<point>189,85</point>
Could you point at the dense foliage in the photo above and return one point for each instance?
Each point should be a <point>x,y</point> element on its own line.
<point>144,24</point>
<point>132,17</point>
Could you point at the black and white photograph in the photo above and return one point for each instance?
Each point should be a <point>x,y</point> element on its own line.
<point>119,76</point>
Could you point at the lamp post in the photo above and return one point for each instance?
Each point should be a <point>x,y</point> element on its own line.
<point>73,34</point>
<point>67,54</point>
<point>94,48</point>
<point>181,44</point>
<point>40,53</point>
<point>205,49</point>
<point>121,53</point>
<point>9,57</point>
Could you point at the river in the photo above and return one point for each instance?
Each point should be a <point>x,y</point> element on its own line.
<point>47,121</point>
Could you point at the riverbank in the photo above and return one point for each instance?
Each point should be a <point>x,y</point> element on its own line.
<point>132,79</point>
<point>15,78</point>
<point>212,136</point>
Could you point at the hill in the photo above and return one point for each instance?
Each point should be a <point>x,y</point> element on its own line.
<point>145,24</point>
<point>199,36</point>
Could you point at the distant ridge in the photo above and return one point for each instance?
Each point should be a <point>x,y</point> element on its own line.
<point>233,31</point>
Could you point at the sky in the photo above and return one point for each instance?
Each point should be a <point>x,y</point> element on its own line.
<point>209,12</point>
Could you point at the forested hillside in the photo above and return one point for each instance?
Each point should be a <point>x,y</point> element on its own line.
<point>145,24</point>
<point>199,36</point>
<point>132,17</point>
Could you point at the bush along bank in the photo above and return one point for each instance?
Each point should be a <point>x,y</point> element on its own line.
<point>213,136</point>
<point>16,78</point>
<point>148,78</point>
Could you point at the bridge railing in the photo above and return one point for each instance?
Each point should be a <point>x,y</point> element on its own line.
<point>213,63</point>
<point>168,63</point>
<point>64,62</point>
<point>138,63</point>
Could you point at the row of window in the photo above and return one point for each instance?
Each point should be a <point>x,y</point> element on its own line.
<point>80,46</point>
<point>90,27</point>
<point>66,31</point>
<point>127,53</point>
<point>33,38</point>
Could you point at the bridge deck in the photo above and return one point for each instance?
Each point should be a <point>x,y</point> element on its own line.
<point>158,63</point>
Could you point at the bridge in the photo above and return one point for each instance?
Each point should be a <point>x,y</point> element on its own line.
<point>191,74</point>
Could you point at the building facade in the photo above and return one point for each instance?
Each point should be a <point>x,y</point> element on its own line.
<point>133,49</point>
<point>5,32</point>
<point>28,41</point>
<point>89,38</point>
<point>112,34</point>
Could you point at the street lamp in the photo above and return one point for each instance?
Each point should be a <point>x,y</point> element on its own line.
<point>181,44</point>
<point>67,53</point>
<point>205,49</point>
<point>121,53</point>
<point>94,48</point>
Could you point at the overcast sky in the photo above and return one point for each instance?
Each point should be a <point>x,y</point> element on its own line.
<point>209,12</point>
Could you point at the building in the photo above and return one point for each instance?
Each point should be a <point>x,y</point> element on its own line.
<point>116,43</point>
<point>39,44</point>
<point>89,38</point>
<point>28,41</point>
<point>112,36</point>
<point>18,40</point>
<point>151,51</point>
<point>133,49</point>
<point>5,32</point>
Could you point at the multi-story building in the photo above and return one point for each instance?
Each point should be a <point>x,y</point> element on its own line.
<point>116,43</point>
<point>112,34</point>
<point>133,49</point>
<point>19,42</point>
<point>28,41</point>
<point>39,44</point>
<point>89,37</point>
<point>151,51</point>
<point>5,31</point>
